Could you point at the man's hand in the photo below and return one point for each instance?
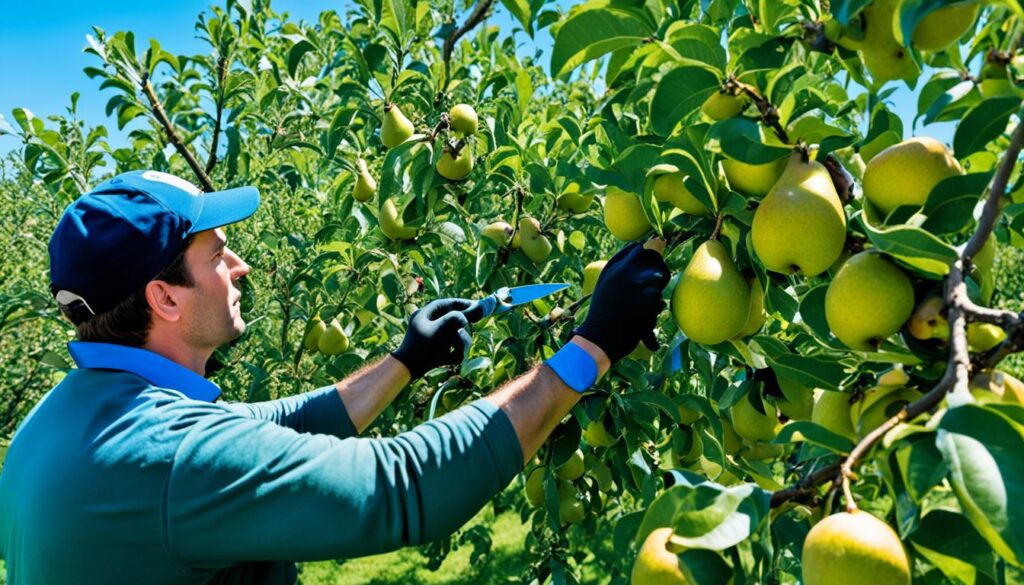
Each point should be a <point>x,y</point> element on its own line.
<point>626,302</point>
<point>436,337</point>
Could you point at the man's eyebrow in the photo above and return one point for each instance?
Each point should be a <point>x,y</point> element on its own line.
<point>220,245</point>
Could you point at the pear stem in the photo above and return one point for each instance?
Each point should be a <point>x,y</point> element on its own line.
<point>958,370</point>
<point>718,226</point>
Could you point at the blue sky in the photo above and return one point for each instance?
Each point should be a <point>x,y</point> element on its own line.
<point>41,58</point>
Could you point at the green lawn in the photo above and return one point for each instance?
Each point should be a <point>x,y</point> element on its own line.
<point>507,558</point>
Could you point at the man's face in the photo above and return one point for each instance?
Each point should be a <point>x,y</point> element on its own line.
<point>211,313</point>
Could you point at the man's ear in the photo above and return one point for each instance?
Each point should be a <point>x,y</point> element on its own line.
<point>164,300</point>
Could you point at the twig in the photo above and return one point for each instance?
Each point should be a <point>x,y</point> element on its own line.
<point>211,160</point>
<point>165,122</point>
<point>769,114</point>
<point>805,486</point>
<point>475,18</point>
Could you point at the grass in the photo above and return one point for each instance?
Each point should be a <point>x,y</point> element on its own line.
<point>507,558</point>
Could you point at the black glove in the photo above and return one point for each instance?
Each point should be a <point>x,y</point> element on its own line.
<point>435,337</point>
<point>626,302</point>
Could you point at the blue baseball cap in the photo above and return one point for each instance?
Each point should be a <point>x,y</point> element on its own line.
<point>114,239</point>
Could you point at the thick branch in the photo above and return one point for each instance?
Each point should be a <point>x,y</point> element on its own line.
<point>805,487</point>
<point>165,122</point>
<point>476,17</point>
<point>769,114</point>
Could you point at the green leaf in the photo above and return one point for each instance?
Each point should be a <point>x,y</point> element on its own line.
<point>679,93</point>
<point>296,53</point>
<point>815,435</point>
<point>845,10</point>
<point>937,85</point>
<point>949,105</point>
<point>743,140</point>
<point>983,123</point>
<point>342,121</point>
<point>815,371</point>
<point>914,246</point>
<point>947,539</point>
<point>950,206</point>
<point>594,32</point>
<point>521,10</point>
<point>983,451</point>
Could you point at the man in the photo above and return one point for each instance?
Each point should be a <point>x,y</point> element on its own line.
<point>129,471</point>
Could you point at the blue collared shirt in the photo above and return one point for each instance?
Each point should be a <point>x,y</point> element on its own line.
<point>128,472</point>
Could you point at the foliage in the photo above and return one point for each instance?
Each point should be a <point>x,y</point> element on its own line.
<point>290,108</point>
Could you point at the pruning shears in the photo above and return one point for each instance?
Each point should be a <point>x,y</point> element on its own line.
<point>505,299</point>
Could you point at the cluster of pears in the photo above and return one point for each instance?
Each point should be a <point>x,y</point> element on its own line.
<point>854,416</point>
<point>873,34</point>
<point>456,163</point>
<point>529,237</point>
<point>328,338</point>
<point>571,503</point>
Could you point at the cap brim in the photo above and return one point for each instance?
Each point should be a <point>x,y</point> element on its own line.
<point>224,207</point>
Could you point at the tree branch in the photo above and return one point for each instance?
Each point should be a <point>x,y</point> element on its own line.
<point>165,122</point>
<point>769,114</point>
<point>222,66</point>
<point>476,17</point>
<point>956,378</point>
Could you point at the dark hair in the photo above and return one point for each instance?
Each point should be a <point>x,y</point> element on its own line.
<point>130,321</point>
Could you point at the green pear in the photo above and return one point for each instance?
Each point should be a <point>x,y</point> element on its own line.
<point>731,442</point>
<point>656,564</point>
<point>854,548</point>
<point>752,180</point>
<point>997,386</point>
<point>535,245</point>
<point>751,424</point>
<point>624,215</point>
<point>983,269</point>
<point>591,272</point>
<point>572,200</point>
<point>761,450</point>
<point>884,56</point>
<point>984,336</point>
<point>687,446</point>
<point>570,508</point>
<point>756,316</point>
<point>333,341</point>
<point>832,411</point>
<point>944,26</point>
<point>800,225</point>
<point>499,232</point>
<point>366,185</point>
<point>572,469</point>
<point>869,299</point>
<point>994,81</point>
<point>535,486</point>
<point>396,128</point>
<point>711,301</point>
<point>927,321</point>
<point>670,188</point>
<point>602,476</point>
<point>878,405</point>
<point>596,434</point>
<point>314,329</point>
<point>797,400</point>
<point>463,119</point>
<point>906,173</point>
<point>455,168</point>
<point>687,415</point>
<point>391,223</point>
<point>723,105</point>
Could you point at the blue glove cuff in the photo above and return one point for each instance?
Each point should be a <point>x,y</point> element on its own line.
<point>574,366</point>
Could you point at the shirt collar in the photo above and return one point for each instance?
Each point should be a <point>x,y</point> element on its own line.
<point>154,368</point>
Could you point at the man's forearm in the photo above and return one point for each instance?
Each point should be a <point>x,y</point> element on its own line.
<point>370,390</point>
<point>538,400</point>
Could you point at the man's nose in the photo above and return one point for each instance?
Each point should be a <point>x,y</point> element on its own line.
<point>239,268</point>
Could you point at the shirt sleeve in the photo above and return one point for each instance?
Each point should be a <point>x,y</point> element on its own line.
<point>242,489</point>
<point>319,411</point>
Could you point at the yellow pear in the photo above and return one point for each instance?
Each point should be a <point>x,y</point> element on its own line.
<point>535,486</point>
<point>878,405</point>
<point>333,341</point>
<point>596,434</point>
<point>535,245</point>
<point>391,223</point>
<point>656,564</point>
<point>884,56</point>
<point>752,180</point>
<point>624,215</point>
<point>854,548</point>
<point>463,119</point>
<point>572,469</point>
<point>756,316</point>
<point>761,450</point>
<point>499,232</point>
<point>723,105</point>
<point>751,424</point>
<point>944,26</point>
<point>984,336</point>
<point>800,225</point>
<point>711,301</point>
<point>927,321</point>
<point>366,185</point>
<point>314,329</point>
<point>670,188</point>
<point>572,200</point>
<point>591,272</point>
<point>997,386</point>
<point>455,168</point>
<point>832,411</point>
<point>797,400</point>
<point>869,299</point>
<point>906,173</point>
<point>396,128</point>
